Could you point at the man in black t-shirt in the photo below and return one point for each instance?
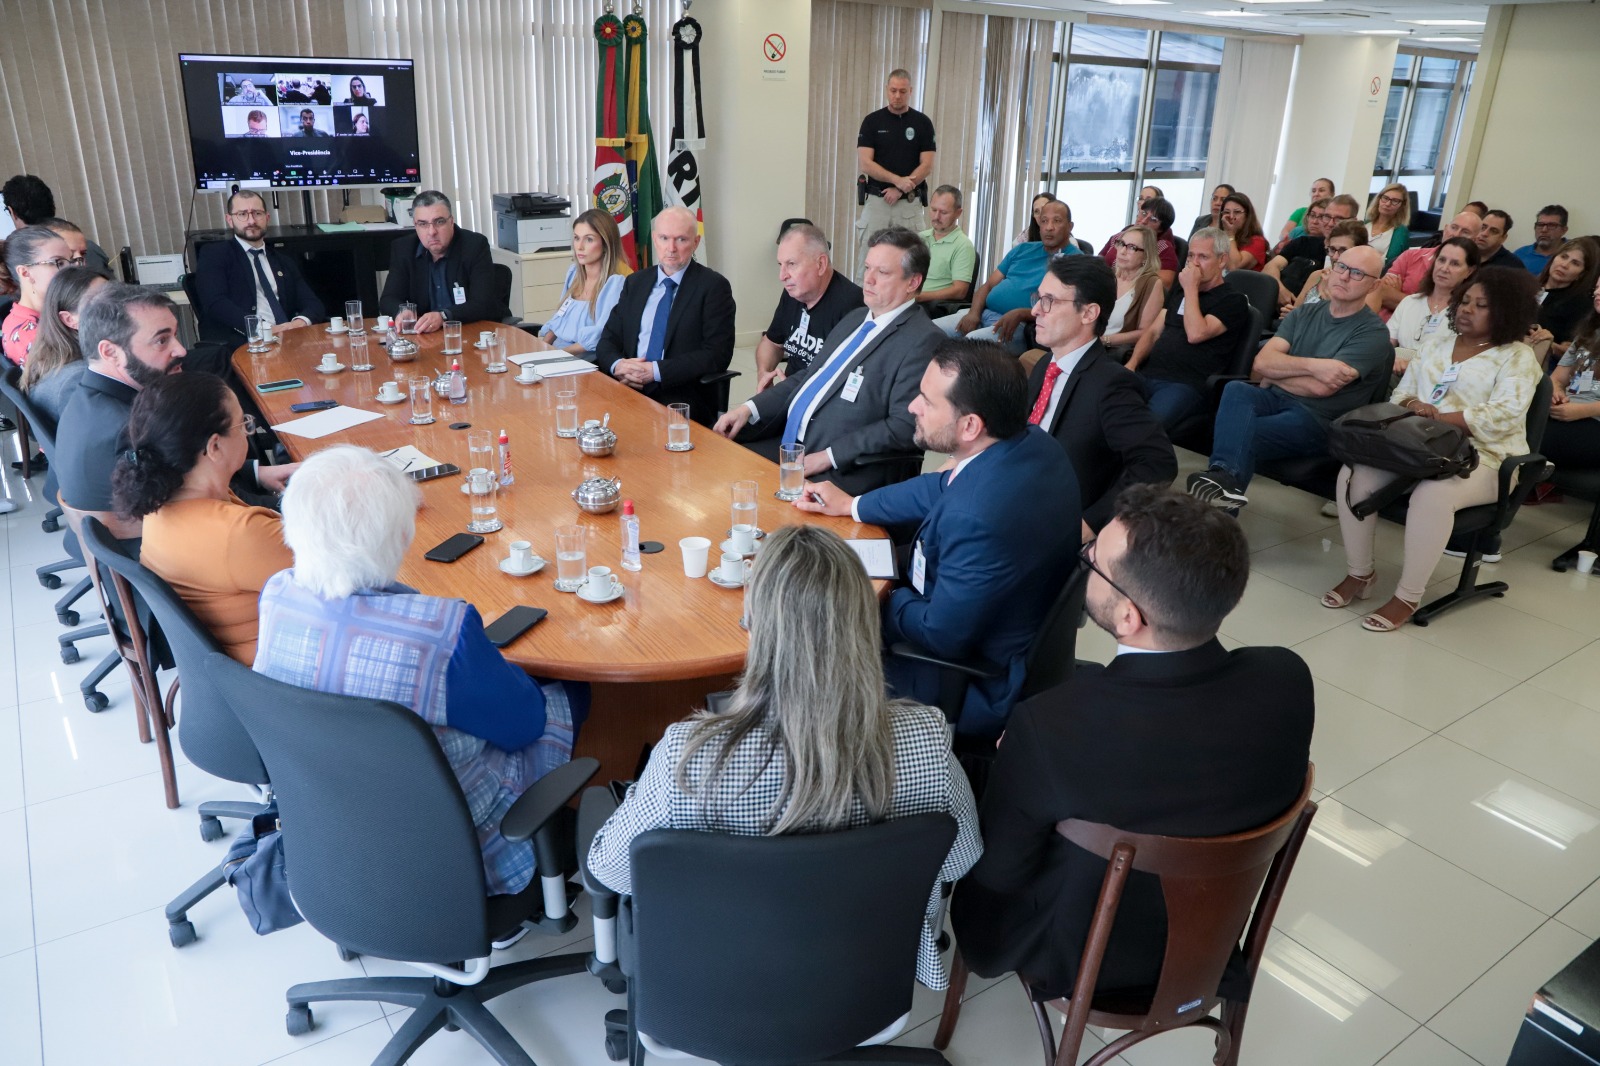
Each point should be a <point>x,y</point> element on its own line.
<point>815,297</point>
<point>1194,336</point>
<point>894,151</point>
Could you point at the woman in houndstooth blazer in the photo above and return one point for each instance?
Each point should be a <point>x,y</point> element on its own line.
<point>810,741</point>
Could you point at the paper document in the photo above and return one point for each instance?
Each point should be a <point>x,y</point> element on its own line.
<point>340,227</point>
<point>553,366</point>
<point>408,458</point>
<point>325,422</point>
<point>877,556</point>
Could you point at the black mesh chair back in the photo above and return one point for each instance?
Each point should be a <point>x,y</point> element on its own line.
<point>211,737</point>
<point>502,288</point>
<point>787,949</point>
<point>1053,655</point>
<point>1180,248</point>
<point>380,849</point>
<point>1260,289</point>
<point>42,426</point>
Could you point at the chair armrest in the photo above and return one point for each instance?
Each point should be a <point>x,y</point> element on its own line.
<point>1534,468</point>
<point>532,328</point>
<point>879,458</point>
<point>548,795</point>
<point>979,669</point>
<point>1217,382</point>
<point>718,375</point>
<point>942,308</point>
<point>597,805</point>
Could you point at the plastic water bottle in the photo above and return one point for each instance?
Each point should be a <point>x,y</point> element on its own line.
<point>458,383</point>
<point>630,537</point>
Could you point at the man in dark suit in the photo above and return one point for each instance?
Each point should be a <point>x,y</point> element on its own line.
<point>1177,736</point>
<point>997,535</point>
<point>853,402</point>
<point>244,277</point>
<point>673,324</point>
<point>443,269</point>
<point>1086,400</point>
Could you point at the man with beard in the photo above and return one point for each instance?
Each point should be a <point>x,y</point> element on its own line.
<point>129,337</point>
<point>1176,736</point>
<point>244,277</point>
<point>995,532</point>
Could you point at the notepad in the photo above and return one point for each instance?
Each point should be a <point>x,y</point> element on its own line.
<point>878,557</point>
<point>325,422</point>
<point>408,458</point>
<point>553,366</point>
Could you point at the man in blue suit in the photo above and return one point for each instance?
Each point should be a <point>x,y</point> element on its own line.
<point>244,277</point>
<point>998,529</point>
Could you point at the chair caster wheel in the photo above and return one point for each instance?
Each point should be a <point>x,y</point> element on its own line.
<point>616,1046</point>
<point>68,618</point>
<point>346,955</point>
<point>50,525</point>
<point>69,654</point>
<point>96,701</point>
<point>617,985</point>
<point>210,829</point>
<point>50,581</point>
<point>181,933</point>
<point>298,1020</point>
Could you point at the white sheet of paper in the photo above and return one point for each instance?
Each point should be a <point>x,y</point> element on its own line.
<point>877,556</point>
<point>408,458</point>
<point>553,366</point>
<point>323,423</point>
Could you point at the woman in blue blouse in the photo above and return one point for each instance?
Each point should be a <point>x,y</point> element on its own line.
<point>594,284</point>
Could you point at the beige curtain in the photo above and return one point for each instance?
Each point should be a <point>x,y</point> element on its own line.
<point>1247,126</point>
<point>991,117</point>
<point>93,103</point>
<point>854,47</point>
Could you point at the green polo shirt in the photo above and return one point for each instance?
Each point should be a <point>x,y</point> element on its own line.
<point>951,260</point>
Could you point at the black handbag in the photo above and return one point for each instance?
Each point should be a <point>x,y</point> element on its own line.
<point>1386,436</point>
<point>254,867</point>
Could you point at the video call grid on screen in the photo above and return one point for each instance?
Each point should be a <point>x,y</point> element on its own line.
<point>250,118</point>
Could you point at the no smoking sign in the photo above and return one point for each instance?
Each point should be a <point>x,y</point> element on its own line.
<point>773,50</point>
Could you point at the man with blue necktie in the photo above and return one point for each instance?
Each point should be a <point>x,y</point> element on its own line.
<point>244,277</point>
<point>852,404</point>
<point>673,324</point>
<point>997,535</point>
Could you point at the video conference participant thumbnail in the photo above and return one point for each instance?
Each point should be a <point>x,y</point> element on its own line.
<point>248,90</point>
<point>306,121</point>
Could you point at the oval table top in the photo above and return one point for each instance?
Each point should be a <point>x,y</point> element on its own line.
<point>666,626</point>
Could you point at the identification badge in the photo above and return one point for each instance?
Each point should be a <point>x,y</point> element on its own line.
<point>852,385</point>
<point>460,293</point>
<point>1440,390</point>
<point>919,570</point>
<point>805,321</point>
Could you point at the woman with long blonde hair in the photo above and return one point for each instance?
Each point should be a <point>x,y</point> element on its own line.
<point>593,285</point>
<point>1140,294</point>
<point>1388,221</point>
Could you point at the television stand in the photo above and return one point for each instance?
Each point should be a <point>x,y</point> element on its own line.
<point>305,202</point>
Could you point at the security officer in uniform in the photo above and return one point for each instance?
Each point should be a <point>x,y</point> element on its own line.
<point>894,153</point>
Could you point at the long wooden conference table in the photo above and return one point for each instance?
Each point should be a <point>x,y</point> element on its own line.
<point>652,654</point>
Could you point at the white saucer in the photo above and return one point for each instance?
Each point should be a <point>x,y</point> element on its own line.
<point>721,582</point>
<point>479,345</point>
<point>520,380</point>
<point>616,592</point>
<point>727,548</point>
<point>334,369</point>
<point>759,533</point>
<point>398,399</point>
<point>505,567</point>
<point>336,332</point>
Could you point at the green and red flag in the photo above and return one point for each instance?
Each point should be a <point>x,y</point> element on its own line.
<point>644,173</point>
<point>612,188</point>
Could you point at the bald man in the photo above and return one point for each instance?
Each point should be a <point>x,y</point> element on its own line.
<point>1406,273</point>
<point>1327,358</point>
<point>673,324</point>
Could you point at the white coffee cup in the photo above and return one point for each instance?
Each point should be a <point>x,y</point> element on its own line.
<point>1586,561</point>
<point>732,568</point>
<point>383,323</point>
<point>521,556</point>
<point>389,390</point>
<point>600,581</point>
<point>484,338</point>
<point>336,324</point>
<point>527,373</point>
<point>695,552</point>
<point>744,538</point>
<point>330,360</point>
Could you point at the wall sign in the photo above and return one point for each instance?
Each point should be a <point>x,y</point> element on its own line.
<point>773,50</point>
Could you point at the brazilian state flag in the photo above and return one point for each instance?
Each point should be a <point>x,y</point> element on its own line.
<point>644,173</point>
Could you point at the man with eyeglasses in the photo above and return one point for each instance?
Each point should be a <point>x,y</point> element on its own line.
<point>1298,258</point>
<point>243,277</point>
<point>1176,735</point>
<point>1327,358</point>
<point>1491,240</point>
<point>1549,234</point>
<point>444,269</point>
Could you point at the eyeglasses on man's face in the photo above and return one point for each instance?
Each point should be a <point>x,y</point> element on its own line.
<point>1044,301</point>
<point>1353,273</point>
<point>436,223</point>
<point>250,216</point>
<point>1086,559</point>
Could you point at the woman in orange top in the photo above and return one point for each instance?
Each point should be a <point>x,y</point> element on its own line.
<point>187,438</point>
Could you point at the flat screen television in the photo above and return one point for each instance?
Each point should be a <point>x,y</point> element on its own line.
<point>300,122</point>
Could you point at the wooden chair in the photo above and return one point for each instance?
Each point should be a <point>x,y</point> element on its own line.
<point>1210,885</point>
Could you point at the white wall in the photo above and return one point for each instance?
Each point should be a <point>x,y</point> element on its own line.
<point>1528,139</point>
<point>1335,117</point>
<point>753,171</point>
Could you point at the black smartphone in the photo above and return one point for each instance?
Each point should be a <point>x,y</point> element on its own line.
<point>454,548</point>
<point>314,405</point>
<point>513,624</point>
<point>279,386</point>
<point>428,473</point>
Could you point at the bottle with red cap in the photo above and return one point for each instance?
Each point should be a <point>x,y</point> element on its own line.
<point>630,537</point>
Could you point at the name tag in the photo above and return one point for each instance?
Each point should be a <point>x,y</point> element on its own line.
<point>919,570</point>
<point>460,293</point>
<point>1449,378</point>
<point>805,321</point>
<point>852,385</point>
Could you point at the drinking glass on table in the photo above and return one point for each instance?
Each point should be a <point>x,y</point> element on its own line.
<point>791,471</point>
<point>421,401</point>
<point>405,320</point>
<point>494,354</point>
<point>567,413</point>
<point>678,427</point>
<point>481,450</point>
<point>352,317</point>
<point>744,504</point>
<point>572,562</point>
<point>252,333</point>
<point>452,337</point>
<point>359,359</point>
<point>481,487</point>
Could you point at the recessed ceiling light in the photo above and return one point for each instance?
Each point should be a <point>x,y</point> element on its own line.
<point>1233,14</point>
<point>1280,1</point>
<point>1137,3</point>
<point>1385,33</point>
<point>1441,22</point>
<point>1448,40</point>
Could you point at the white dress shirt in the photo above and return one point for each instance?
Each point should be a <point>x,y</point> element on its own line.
<point>263,305</point>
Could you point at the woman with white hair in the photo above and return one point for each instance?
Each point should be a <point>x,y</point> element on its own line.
<point>339,622</point>
<point>810,741</point>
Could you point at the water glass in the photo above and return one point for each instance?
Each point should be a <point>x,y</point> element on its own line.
<point>481,487</point>
<point>252,333</point>
<point>744,504</point>
<point>452,337</point>
<point>494,353</point>
<point>678,427</point>
<point>405,320</point>
<point>359,359</point>
<point>352,317</point>
<point>572,562</point>
<point>421,401</point>
<point>791,471</point>
<point>481,450</point>
<point>567,413</point>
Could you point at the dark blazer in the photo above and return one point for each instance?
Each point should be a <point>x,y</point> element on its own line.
<point>1104,423</point>
<point>1194,743</point>
<point>225,282</point>
<point>878,421</point>
<point>998,543</point>
<point>699,337</point>
<point>466,262</point>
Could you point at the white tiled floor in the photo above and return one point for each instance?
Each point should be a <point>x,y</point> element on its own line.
<point>1416,926</point>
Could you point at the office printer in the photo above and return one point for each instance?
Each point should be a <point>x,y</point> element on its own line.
<point>532,221</point>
